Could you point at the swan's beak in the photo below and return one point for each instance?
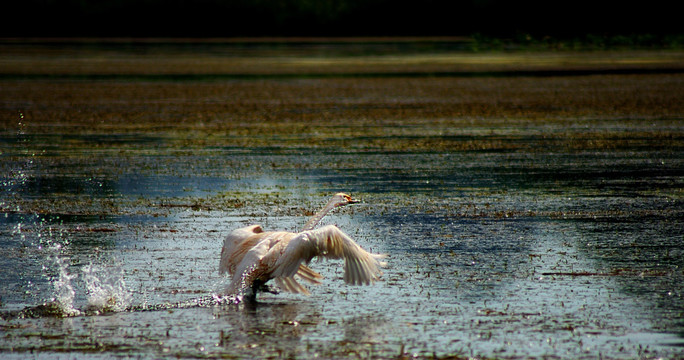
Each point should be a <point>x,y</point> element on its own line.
<point>353,201</point>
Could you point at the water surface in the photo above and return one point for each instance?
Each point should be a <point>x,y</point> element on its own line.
<point>534,226</point>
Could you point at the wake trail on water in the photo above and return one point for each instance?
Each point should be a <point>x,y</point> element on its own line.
<point>106,293</point>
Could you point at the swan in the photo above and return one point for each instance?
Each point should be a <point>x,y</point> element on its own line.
<point>253,256</point>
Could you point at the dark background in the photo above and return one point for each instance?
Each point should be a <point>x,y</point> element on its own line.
<point>233,18</point>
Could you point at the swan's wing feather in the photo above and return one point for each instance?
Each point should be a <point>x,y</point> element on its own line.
<point>289,284</point>
<point>286,257</point>
<point>361,267</point>
<point>250,268</point>
<point>235,246</point>
<point>306,273</point>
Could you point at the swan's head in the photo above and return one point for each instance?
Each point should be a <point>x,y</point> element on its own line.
<point>342,199</point>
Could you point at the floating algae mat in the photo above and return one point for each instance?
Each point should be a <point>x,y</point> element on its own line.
<point>524,217</point>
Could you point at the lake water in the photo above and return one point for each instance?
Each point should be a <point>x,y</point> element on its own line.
<point>510,234</point>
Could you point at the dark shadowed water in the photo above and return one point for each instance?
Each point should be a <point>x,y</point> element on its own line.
<point>529,238</point>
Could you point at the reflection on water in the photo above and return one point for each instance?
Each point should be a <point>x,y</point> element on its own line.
<point>529,253</point>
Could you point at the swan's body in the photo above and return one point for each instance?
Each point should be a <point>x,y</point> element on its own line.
<point>252,257</point>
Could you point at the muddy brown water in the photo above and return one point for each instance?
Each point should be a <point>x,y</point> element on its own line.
<point>523,216</point>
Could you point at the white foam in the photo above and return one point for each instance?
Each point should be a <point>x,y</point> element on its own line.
<point>64,292</point>
<point>106,288</point>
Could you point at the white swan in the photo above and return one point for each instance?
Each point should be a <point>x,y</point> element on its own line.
<point>252,257</point>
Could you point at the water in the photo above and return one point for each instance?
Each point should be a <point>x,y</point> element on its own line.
<point>482,261</point>
<point>507,237</point>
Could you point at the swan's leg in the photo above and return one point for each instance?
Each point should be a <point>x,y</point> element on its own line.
<point>263,287</point>
<point>258,286</point>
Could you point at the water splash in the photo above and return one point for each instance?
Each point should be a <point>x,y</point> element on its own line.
<point>226,299</point>
<point>16,178</point>
<point>106,289</point>
<point>63,300</point>
<point>223,293</point>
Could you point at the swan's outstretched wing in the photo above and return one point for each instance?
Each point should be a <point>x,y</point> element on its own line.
<point>235,247</point>
<point>240,241</point>
<point>249,269</point>
<point>360,266</point>
<point>241,257</point>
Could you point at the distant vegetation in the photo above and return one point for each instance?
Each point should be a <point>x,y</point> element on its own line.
<point>567,21</point>
<point>581,42</point>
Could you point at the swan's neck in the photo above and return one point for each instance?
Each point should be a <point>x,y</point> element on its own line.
<point>318,216</point>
